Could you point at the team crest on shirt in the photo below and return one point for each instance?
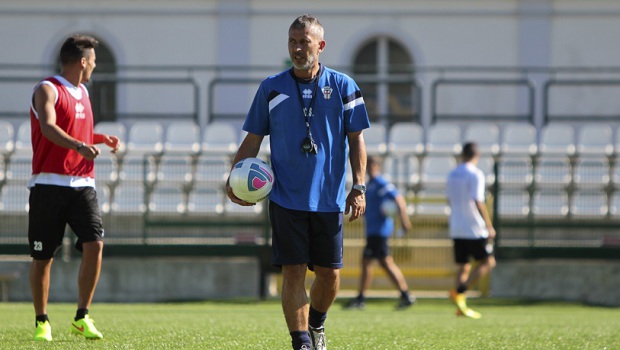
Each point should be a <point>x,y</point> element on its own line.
<point>79,111</point>
<point>327,92</point>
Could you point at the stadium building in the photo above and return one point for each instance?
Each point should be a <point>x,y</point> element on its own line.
<point>536,83</point>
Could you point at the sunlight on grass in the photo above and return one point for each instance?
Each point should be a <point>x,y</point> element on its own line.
<point>431,324</point>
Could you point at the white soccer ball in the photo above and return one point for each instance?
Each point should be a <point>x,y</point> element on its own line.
<point>251,180</point>
<point>389,207</point>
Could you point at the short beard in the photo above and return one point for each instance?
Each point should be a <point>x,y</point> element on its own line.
<point>307,66</point>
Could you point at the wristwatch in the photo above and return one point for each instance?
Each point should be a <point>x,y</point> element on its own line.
<point>361,188</point>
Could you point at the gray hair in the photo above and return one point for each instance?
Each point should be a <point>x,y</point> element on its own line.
<point>308,21</point>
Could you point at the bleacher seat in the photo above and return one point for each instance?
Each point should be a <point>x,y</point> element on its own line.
<point>615,173</point>
<point>614,204</point>
<point>435,169</point>
<point>23,144</point>
<point>167,200</point>
<point>211,171</point>
<point>592,204</point>
<point>595,139</point>
<point>550,204</point>
<point>138,169</point>
<point>486,135</point>
<point>128,198</point>
<point>111,128</point>
<point>2,168</point>
<point>617,141</point>
<point>206,201</point>
<point>486,164</point>
<point>348,175</point>
<point>403,171</point>
<point>19,168</point>
<point>406,139</point>
<point>443,139</point>
<point>375,139</point>
<point>220,138</point>
<point>513,204</point>
<point>432,203</point>
<point>552,171</point>
<point>518,139</point>
<point>115,129</point>
<point>557,139</point>
<point>7,138</point>
<point>14,198</point>
<point>232,209</point>
<point>515,171</point>
<point>591,172</point>
<point>175,170</point>
<point>103,197</point>
<point>106,171</point>
<point>145,137</point>
<point>182,137</point>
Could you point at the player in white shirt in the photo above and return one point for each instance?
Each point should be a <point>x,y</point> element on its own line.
<point>470,226</point>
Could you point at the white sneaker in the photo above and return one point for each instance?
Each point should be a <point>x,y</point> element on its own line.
<point>318,338</point>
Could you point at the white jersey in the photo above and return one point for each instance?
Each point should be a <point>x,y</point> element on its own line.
<point>465,186</point>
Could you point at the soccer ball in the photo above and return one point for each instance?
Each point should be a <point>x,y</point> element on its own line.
<point>251,180</point>
<point>389,207</point>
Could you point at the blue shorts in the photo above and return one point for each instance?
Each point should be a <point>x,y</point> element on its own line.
<point>302,237</point>
<point>376,247</point>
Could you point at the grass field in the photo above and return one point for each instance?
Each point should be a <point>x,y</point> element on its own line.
<point>430,324</point>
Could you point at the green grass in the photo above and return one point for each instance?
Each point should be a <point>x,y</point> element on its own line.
<point>431,324</point>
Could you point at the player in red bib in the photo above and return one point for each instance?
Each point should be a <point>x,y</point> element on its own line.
<point>62,186</point>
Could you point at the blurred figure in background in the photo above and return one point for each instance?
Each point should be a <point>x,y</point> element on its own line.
<point>470,226</point>
<point>383,202</point>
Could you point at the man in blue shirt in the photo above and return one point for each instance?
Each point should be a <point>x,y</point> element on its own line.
<point>379,228</point>
<point>314,117</point>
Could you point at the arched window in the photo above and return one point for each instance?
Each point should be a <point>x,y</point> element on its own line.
<point>102,88</point>
<point>384,71</point>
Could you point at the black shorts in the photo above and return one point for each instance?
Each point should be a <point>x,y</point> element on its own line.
<point>466,248</point>
<point>376,247</point>
<point>302,237</point>
<point>52,208</point>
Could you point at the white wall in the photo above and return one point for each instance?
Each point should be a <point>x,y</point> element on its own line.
<point>477,33</point>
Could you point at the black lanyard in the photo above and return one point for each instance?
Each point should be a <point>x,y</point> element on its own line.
<point>307,111</point>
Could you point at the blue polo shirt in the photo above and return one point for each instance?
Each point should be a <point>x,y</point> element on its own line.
<point>378,189</point>
<point>308,182</point>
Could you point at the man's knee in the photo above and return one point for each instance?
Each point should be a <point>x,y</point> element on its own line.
<point>93,247</point>
<point>326,274</point>
<point>294,272</point>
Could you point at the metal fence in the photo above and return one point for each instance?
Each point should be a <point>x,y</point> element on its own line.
<point>558,207</point>
<point>174,204</point>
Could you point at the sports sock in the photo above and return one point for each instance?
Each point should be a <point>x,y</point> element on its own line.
<point>404,295</point>
<point>80,314</point>
<point>316,318</point>
<point>299,338</point>
<point>361,297</point>
<point>461,289</point>
<point>41,318</point>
